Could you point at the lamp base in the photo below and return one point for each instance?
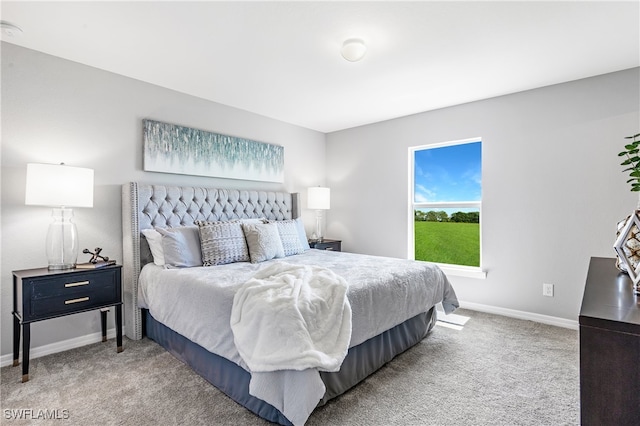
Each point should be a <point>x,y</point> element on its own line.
<point>62,241</point>
<point>319,225</point>
<point>61,267</point>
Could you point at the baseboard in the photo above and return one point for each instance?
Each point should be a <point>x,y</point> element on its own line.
<point>544,319</point>
<point>65,345</point>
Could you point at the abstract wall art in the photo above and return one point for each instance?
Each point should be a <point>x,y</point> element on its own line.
<point>169,148</point>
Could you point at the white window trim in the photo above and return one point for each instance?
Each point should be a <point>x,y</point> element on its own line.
<point>463,271</point>
<point>448,269</point>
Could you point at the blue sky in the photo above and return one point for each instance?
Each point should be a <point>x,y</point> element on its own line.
<point>449,173</point>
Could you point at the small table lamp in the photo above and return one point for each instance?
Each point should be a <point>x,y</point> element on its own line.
<point>319,198</point>
<point>60,187</point>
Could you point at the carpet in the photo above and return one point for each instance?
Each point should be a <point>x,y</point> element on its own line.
<point>495,371</point>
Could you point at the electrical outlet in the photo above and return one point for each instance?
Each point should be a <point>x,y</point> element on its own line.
<point>547,290</point>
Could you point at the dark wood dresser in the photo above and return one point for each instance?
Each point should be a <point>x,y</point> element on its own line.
<point>609,347</point>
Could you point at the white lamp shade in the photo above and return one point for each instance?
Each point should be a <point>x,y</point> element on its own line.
<point>319,198</point>
<point>57,185</point>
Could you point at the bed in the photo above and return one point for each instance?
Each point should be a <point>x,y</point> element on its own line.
<point>389,304</point>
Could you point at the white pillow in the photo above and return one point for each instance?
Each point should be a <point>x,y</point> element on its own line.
<point>285,229</point>
<point>263,241</point>
<point>289,236</point>
<point>302,234</point>
<point>181,246</point>
<point>154,238</point>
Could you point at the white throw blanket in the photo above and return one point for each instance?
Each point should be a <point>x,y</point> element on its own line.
<point>291,317</point>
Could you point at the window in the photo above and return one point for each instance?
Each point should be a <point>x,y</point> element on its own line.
<point>446,200</point>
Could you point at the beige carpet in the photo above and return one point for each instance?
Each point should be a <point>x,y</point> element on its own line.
<point>495,371</point>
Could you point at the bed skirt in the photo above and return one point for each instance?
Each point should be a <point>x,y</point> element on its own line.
<point>361,361</point>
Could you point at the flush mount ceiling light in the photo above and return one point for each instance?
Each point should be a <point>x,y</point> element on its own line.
<point>353,49</point>
<point>9,29</point>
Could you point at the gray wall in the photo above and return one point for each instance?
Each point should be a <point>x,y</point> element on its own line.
<point>553,189</point>
<point>55,110</point>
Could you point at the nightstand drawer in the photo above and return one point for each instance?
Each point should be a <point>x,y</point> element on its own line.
<point>53,295</point>
<point>75,299</point>
<point>68,285</point>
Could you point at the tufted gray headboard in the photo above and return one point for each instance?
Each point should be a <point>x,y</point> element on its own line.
<point>148,206</point>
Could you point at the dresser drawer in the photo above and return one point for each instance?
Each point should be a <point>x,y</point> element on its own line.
<point>70,293</point>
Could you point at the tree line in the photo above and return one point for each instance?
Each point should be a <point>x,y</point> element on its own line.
<point>442,216</point>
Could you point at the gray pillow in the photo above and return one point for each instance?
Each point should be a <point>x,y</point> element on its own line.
<point>263,241</point>
<point>222,243</point>
<point>181,246</point>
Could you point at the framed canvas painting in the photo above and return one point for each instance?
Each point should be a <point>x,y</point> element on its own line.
<point>169,148</point>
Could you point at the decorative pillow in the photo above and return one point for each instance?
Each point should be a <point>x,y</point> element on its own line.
<point>288,230</point>
<point>154,238</point>
<point>263,240</point>
<point>222,242</point>
<point>181,246</point>
<point>302,234</point>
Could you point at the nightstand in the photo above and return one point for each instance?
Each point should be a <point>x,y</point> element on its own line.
<point>326,244</point>
<point>41,294</point>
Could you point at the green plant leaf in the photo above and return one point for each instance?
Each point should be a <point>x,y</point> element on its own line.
<point>629,147</point>
<point>635,173</point>
<point>626,162</point>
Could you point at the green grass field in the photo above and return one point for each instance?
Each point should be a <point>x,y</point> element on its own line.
<point>448,242</point>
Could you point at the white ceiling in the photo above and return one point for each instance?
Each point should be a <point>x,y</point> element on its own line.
<point>282,59</point>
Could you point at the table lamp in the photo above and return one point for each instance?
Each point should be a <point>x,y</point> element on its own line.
<point>319,199</point>
<point>60,187</point>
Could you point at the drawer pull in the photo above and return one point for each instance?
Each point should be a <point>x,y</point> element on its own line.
<point>329,248</point>
<point>79,299</point>
<point>76,284</point>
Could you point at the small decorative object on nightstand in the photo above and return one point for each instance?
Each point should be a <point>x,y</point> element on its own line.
<point>326,244</point>
<point>96,261</point>
<point>41,294</point>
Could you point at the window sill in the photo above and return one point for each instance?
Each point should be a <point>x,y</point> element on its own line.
<point>463,271</point>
